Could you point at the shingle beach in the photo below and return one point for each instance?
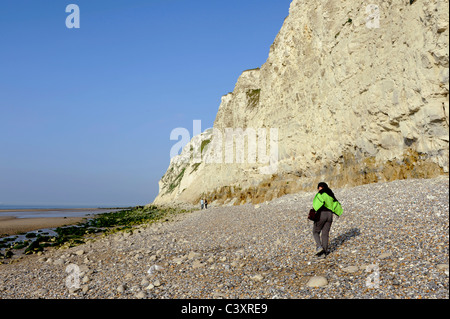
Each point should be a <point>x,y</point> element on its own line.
<point>392,241</point>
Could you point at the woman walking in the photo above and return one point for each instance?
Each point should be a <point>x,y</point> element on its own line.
<point>325,205</point>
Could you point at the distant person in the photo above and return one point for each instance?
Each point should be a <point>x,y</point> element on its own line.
<point>202,204</point>
<point>206,203</point>
<point>325,205</point>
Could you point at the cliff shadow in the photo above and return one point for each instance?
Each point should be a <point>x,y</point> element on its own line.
<point>341,239</point>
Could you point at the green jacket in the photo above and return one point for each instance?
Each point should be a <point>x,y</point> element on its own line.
<point>323,199</point>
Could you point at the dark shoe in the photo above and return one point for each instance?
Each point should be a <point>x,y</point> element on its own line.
<point>320,253</point>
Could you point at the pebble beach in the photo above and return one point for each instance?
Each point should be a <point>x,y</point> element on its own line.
<point>391,242</point>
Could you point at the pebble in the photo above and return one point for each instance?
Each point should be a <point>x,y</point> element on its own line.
<point>41,292</point>
<point>442,266</point>
<point>385,255</point>
<point>350,269</point>
<point>141,295</point>
<point>219,295</point>
<point>390,243</point>
<point>193,255</point>
<point>155,268</point>
<point>58,262</point>
<point>317,281</point>
<point>128,276</point>
<point>197,264</point>
<point>74,290</point>
<point>257,278</point>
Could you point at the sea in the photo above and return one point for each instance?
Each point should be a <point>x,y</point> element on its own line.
<point>36,211</point>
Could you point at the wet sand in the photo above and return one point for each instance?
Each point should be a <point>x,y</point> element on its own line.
<point>10,225</point>
<point>54,209</point>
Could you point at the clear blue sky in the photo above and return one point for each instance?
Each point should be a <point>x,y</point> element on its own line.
<point>86,114</point>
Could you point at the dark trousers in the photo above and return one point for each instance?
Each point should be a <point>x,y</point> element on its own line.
<point>323,225</point>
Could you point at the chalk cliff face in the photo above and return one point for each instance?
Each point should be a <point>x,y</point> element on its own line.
<point>354,93</point>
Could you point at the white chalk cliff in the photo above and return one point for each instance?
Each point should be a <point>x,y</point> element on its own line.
<point>357,94</point>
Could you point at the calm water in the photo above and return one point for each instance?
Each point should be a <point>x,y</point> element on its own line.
<point>32,207</point>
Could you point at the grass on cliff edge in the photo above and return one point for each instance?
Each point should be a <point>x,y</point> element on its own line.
<point>106,223</point>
